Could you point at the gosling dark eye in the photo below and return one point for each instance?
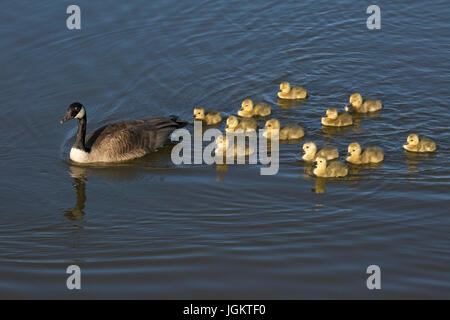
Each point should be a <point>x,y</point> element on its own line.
<point>307,147</point>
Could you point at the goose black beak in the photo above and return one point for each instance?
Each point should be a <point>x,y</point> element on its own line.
<point>65,119</point>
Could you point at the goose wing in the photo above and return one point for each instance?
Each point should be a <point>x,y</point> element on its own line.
<point>131,139</point>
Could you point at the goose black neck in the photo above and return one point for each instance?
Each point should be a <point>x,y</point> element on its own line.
<point>81,134</point>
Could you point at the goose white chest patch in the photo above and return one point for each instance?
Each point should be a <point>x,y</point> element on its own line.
<point>78,155</point>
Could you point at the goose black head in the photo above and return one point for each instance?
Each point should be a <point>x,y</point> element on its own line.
<point>75,110</point>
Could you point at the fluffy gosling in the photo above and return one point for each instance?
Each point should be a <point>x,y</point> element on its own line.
<point>334,119</point>
<point>223,148</point>
<point>311,153</point>
<point>288,92</point>
<point>416,144</point>
<point>369,155</point>
<point>333,169</point>
<point>246,124</point>
<point>288,132</point>
<point>249,109</point>
<point>210,117</point>
<point>360,105</point>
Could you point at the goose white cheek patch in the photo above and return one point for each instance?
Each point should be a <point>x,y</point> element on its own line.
<point>81,113</point>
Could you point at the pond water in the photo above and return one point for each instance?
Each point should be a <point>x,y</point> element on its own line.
<point>151,229</point>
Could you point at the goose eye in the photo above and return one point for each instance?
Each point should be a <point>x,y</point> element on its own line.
<point>307,147</point>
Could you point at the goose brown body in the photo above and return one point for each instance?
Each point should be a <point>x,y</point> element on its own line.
<point>120,141</point>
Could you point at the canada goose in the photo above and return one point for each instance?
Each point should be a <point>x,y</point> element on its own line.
<point>311,152</point>
<point>334,119</point>
<point>210,117</point>
<point>287,132</point>
<point>288,92</point>
<point>249,109</point>
<point>419,145</point>
<point>246,124</point>
<point>120,141</point>
<point>223,146</point>
<point>363,106</point>
<point>369,155</point>
<point>332,170</point>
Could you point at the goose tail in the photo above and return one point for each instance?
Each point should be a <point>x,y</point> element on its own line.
<point>181,123</point>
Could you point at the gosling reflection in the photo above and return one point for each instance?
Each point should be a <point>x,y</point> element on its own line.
<point>221,170</point>
<point>355,169</point>
<point>321,182</point>
<point>287,104</point>
<point>319,187</point>
<point>356,128</point>
<point>414,159</point>
<point>333,132</point>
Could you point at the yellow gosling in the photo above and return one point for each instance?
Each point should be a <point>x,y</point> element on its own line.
<point>246,124</point>
<point>223,148</point>
<point>311,153</point>
<point>334,119</point>
<point>333,169</point>
<point>369,155</point>
<point>288,92</point>
<point>361,105</point>
<point>288,132</point>
<point>249,109</point>
<point>209,117</point>
<point>416,144</point>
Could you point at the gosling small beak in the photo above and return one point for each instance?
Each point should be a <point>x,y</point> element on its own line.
<point>348,154</point>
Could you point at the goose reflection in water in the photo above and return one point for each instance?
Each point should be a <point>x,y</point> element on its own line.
<point>124,171</point>
<point>79,177</point>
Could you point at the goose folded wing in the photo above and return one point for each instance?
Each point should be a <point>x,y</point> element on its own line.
<point>133,141</point>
